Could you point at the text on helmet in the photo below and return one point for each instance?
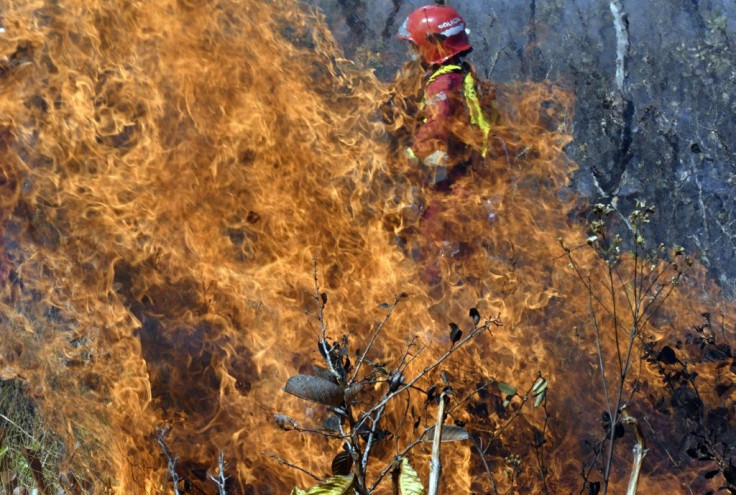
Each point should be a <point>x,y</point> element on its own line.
<point>450,23</point>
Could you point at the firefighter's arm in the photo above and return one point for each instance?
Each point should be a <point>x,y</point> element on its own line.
<point>429,152</point>
<point>430,141</point>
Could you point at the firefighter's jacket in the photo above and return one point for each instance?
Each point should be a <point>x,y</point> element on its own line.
<point>450,103</point>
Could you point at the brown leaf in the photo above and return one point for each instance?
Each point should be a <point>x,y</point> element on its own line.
<point>455,333</point>
<point>342,464</point>
<point>315,389</point>
<point>450,433</point>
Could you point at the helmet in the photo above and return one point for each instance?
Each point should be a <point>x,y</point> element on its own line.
<point>437,31</point>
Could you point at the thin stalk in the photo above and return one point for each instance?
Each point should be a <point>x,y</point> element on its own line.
<point>323,327</point>
<point>485,464</point>
<point>615,317</point>
<point>371,438</point>
<point>391,466</point>
<point>640,451</point>
<point>170,460</point>
<point>539,449</point>
<point>433,366</point>
<point>373,338</point>
<point>600,354</point>
<point>614,412</point>
<point>221,479</point>
<point>293,466</point>
<point>435,464</point>
<point>586,474</point>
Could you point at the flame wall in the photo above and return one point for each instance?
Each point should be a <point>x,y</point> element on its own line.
<point>169,171</point>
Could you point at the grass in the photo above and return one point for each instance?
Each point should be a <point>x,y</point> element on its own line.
<point>30,454</point>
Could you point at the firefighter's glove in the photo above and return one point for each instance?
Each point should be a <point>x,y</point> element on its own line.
<point>411,157</point>
<point>437,159</point>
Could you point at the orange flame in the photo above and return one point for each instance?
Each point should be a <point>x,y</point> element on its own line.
<point>169,171</point>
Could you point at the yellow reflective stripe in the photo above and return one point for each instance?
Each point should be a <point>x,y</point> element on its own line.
<point>445,69</point>
<point>410,153</point>
<point>471,96</point>
<point>477,117</point>
<point>476,112</point>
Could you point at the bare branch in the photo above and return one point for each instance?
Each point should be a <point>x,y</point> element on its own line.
<point>293,466</point>
<point>371,438</point>
<point>391,466</point>
<point>476,331</point>
<point>323,326</point>
<point>600,353</point>
<point>221,479</point>
<point>435,464</point>
<point>373,338</point>
<point>482,456</point>
<point>170,459</point>
<point>539,448</point>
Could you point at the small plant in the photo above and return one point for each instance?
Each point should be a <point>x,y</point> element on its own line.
<point>625,291</point>
<point>358,416</point>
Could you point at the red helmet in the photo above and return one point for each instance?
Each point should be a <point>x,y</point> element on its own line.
<point>438,31</point>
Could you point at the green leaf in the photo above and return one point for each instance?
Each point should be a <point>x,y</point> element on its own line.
<point>3,451</point>
<point>540,398</point>
<point>409,480</point>
<point>539,387</point>
<point>506,388</point>
<point>337,485</point>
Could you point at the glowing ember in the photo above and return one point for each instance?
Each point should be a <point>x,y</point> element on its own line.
<point>169,172</point>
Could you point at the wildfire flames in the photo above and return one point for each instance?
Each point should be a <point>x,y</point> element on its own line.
<point>169,172</point>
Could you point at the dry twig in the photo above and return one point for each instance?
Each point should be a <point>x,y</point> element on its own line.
<point>170,459</point>
<point>435,464</point>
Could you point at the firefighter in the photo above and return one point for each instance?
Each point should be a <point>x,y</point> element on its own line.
<point>450,101</point>
<point>453,130</point>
